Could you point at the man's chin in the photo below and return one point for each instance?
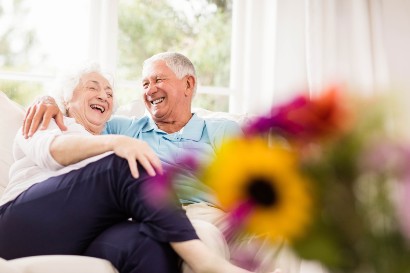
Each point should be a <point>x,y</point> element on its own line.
<point>155,113</point>
<point>158,116</point>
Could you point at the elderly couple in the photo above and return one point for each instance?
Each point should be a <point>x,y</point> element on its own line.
<point>75,185</point>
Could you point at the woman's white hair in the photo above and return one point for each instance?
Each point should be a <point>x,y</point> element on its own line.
<point>67,82</point>
<point>177,62</point>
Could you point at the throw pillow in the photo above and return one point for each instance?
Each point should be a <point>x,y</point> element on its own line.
<point>10,121</point>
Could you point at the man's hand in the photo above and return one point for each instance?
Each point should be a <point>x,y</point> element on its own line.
<point>41,112</point>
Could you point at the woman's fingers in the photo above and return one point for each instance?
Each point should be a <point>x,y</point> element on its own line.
<point>144,161</point>
<point>137,152</point>
<point>154,161</point>
<point>133,167</point>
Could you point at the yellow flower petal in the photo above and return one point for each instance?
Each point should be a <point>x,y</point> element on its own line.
<point>242,161</point>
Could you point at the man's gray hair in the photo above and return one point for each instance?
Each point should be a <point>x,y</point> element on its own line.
<point>177,62</point>
<point>67,81</point>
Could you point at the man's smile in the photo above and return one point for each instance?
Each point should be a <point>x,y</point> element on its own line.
<point>157,101</point>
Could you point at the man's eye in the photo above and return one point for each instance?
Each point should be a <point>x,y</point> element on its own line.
<point>158,80</point>
<point>145,85</point>
<point>109,95</point>
<point>92,88</point>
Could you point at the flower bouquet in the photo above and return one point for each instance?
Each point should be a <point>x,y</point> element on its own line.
<point>328,175</point>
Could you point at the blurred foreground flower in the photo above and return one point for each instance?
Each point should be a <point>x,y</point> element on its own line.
<point>352,217</point>
<point>328,174</point>
<point>262,188</point>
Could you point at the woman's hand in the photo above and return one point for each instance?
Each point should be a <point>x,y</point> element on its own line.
<point>134,150</point>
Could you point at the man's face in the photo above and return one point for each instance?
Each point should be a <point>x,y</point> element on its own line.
<point>166,97</point>
<point>91,104</point>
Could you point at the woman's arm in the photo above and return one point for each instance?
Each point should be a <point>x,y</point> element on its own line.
<point>70,149</point>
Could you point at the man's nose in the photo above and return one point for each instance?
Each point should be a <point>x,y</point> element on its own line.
<point>152,88</point>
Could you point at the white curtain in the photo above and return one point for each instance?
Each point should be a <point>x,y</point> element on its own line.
<point>267,53</point>
<point>344,42</point>
<point>282,47</point>
<point>103,31</point>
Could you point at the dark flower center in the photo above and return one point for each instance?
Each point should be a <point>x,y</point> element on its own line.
<point>262,192</point>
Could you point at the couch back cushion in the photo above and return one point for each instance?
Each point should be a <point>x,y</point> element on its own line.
<point>11,119</point>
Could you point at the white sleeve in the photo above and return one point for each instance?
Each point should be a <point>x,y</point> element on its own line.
<point>37,147</point>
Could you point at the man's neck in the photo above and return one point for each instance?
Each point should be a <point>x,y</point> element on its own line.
<point>172,126</point>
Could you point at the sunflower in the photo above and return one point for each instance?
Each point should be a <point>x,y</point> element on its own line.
<point>247,172</point>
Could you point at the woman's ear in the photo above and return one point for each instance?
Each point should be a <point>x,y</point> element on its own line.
<point>190,85</point>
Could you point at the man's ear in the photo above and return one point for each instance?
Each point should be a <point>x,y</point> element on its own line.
<point>190,85</point>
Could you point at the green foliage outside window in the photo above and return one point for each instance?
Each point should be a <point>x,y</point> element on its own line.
<point>203,33</point>
<point>199,29</point>
<point>22,92</point>
<point>17,42</point>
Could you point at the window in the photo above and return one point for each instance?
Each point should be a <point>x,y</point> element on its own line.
<point>36,39</point>
<point>39,38</point>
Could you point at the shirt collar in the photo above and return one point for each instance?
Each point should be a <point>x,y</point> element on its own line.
<point>192,130</point>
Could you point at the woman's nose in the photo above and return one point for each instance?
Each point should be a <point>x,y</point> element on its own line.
<point>102,95</point>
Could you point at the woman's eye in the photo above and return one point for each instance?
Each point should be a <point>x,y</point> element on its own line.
<point>109,95</point>
<point>158,80</point>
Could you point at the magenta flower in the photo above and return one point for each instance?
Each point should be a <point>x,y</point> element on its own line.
<point>161,188</point>
<point>304,118</point>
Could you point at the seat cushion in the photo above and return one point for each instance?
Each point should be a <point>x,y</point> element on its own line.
<point>60,264</point>
<point>5,266</point>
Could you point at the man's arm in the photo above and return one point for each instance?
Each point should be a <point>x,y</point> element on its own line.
<point>40,113</point>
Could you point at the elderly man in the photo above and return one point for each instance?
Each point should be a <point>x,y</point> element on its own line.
<point>169,84</point>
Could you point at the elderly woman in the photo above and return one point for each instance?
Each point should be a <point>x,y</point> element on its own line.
<point>73,192</point>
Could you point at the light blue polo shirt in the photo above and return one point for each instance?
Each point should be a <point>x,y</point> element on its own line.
<point>199,137</point>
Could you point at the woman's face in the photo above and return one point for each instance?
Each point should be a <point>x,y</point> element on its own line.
<point>92,101</point>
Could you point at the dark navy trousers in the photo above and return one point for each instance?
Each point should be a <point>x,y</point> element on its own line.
<point>87,212</point>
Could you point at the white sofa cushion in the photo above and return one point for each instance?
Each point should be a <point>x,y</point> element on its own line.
<point>11,120</point>
<point>59,264</point>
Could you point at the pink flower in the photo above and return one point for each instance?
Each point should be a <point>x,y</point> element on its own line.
<point>305,118</point>
<point>161,188</point>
